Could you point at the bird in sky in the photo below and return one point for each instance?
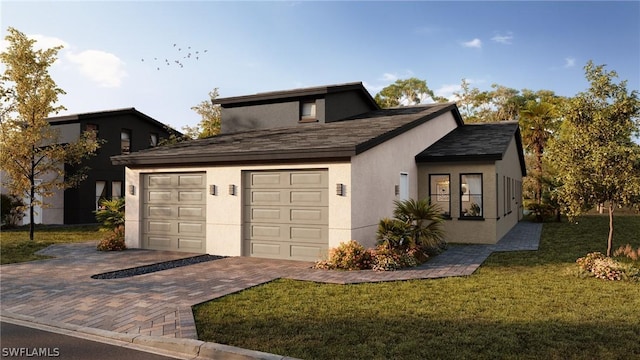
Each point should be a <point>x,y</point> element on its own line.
<point>180,61</point>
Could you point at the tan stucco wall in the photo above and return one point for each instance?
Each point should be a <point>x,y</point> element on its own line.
<point>376,172</point>
<point>509,166</point>
<point>224,211</point>
<point>460,230</point>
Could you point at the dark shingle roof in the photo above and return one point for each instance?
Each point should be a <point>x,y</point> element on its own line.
<point>475,142</point>
<point>296,93</point>
<point>341,139</point>
<point>75,118</point>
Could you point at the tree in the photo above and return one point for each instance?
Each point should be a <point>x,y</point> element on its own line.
<point>211,118</point>
<point>410,91</point>
<point>596,159</point>
<point>539,121</point>
<point>30,147</point>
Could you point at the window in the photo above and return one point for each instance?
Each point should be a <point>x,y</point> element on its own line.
<point>125,141</point>
<point>101,192</point>
<point>116,189</point>
<point>308,111</point>
<point>404,186</point>
<point>439,192</point>
<point>504,195</point>
<point>153,140</point>
<point>497,197</point>
<point>509,197</point>
<point>471,196</point>
<point>93,128</point>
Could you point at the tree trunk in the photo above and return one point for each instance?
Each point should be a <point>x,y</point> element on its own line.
<point>31,210</point>
<point>539,151</point>
<point>32,194</point>
<point>610,240</point>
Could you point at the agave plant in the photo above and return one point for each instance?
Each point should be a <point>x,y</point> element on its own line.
<point>424,222</point>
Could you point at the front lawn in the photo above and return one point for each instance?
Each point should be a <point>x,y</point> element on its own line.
<point>524,305</point>
<point>15,245</point>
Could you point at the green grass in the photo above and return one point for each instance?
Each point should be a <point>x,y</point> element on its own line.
<point>520,305</point>
<point>16,247</point>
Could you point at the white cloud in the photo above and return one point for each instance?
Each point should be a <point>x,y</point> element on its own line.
<point>447,91</point>
<point>503,39</point>
<point>104,68</point>
<point>475,43</point>
<point>389,77</point>
<point>569,62</point>
<point>45,42</point>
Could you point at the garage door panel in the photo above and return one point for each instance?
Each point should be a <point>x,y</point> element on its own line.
<point>307,252</point>
<point>306,234</point>
<point>190,244</point>
<point>266,214</point>
<point>191,180</point>
<point>159,196</point>
<point>157,241</point>
<point>158,227</point>
<point>265,179</point>
<point>153,211</point>
<point>190,212</point>
<point>158,180</point>
<point>304,179</point>
<point>191,197</point>
<point>265,249</point>
<point>192,228</point>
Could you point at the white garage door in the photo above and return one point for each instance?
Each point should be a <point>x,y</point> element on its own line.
<point>286,214</point>
<point>174,212</point>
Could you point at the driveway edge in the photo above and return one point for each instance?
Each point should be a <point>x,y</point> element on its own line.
<point>182,348</point>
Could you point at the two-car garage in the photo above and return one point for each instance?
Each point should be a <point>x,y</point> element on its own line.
<point>284,213</point>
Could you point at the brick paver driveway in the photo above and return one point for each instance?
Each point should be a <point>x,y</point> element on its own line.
<point>159,304</point>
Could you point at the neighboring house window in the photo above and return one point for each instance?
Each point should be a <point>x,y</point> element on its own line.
<point>404,186</point>
<point>125,141</point>
<point>308,111</point>
<point>101,192</point>
<point>153,140</point>
<point>440,193</point>
<point>504,195</point>
<point>471,196</point>
<point>116,189</point>
<point>497,197</point>
<point>509,192</point>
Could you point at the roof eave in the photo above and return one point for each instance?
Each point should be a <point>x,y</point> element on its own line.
<point>227,158</point>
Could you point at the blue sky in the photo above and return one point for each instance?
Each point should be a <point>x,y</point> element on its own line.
<point>264,46</point>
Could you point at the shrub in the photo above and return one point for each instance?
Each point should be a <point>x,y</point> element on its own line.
<point>602,267</point>
<point>393,234</point>
<point>10,213</point>
<point>111,213</point>
<point>349,255</point>
<point>628,251</point>
<point>114,241</point>
<point>416,224</point>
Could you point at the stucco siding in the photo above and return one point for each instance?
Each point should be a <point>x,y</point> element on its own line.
<point>509,168</point>
<point>224,224</point>
<point>376,172</point>
<point>457,228</point>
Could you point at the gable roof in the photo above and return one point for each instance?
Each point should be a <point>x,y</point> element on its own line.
<point>475,142</point>
<point>336,140</point>
<point>95,115</point>
<point>285,95</point>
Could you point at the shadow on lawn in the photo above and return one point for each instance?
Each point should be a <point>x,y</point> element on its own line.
<point>370,337</point>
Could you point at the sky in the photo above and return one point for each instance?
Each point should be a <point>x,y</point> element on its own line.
<point>164,57</point>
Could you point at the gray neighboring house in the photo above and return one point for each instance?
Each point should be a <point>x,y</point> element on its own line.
<point>296,172</point>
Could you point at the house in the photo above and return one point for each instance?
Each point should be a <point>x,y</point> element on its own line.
<point>322,166</point>
<point>124,131</point>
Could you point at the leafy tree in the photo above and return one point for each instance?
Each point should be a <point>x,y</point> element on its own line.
<point>30,147</point>
<point>596,159</point>
<point>467,101</point>
<point>211,118</point>
<point>412,91</point>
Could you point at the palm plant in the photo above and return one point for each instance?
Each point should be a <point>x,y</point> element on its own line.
<point>111,213</point>
<point>424,222</point>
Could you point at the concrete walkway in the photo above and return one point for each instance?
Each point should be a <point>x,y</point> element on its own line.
<point>159,304</point>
